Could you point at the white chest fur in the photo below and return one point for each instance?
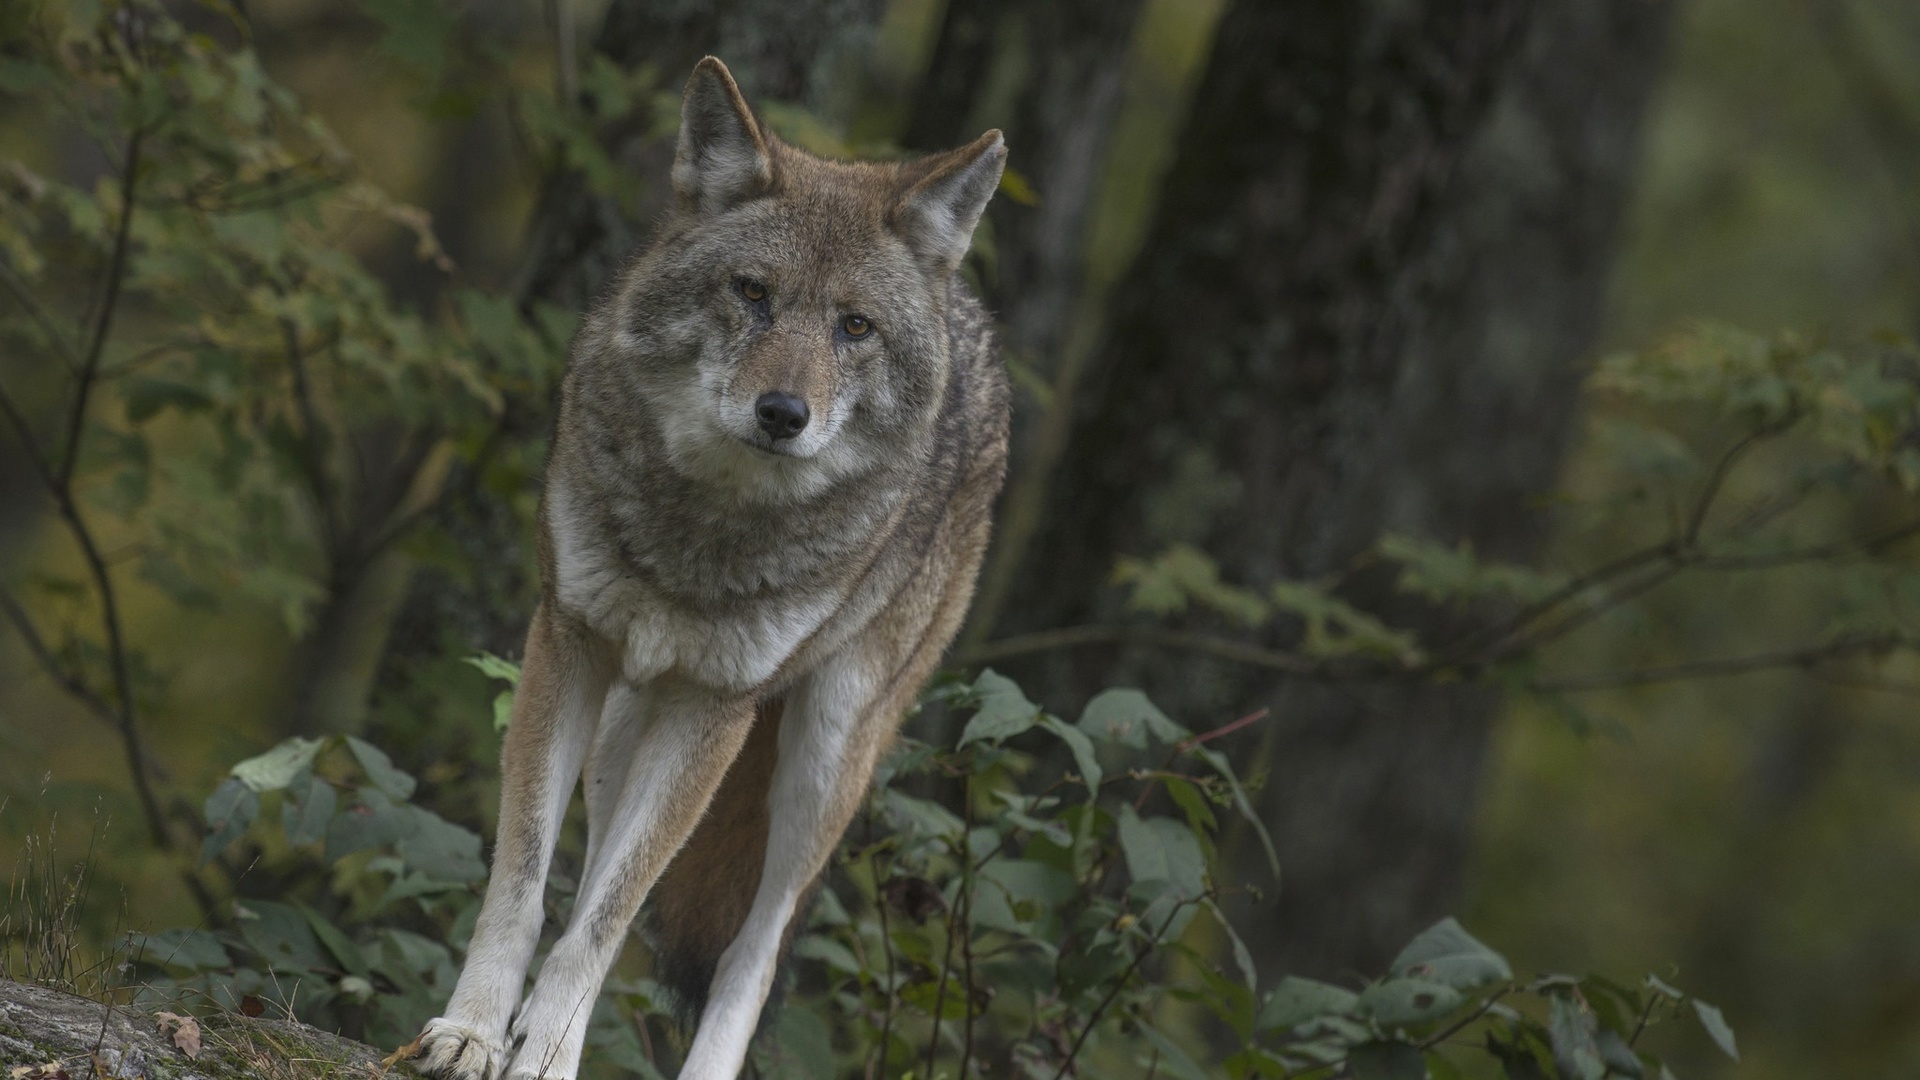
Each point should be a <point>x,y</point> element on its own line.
<point>734,650</point>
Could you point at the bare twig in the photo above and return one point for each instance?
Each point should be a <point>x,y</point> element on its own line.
<point>109,304</point>
<point>312,452</point>
<point>1806,657</point>
<point>1451,1030</point>
<point>1722,469</point>
<point>37,645</point>
<point>1839,549</point>
<point>966,925</point>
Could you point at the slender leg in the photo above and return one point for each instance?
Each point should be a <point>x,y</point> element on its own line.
<point>686,742</point>
<point>562,689</point>
<point>607,767</point>
<point>837,721</point>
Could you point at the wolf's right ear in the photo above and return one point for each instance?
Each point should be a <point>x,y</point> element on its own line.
<point>937,215</point>
<point>721,160</point>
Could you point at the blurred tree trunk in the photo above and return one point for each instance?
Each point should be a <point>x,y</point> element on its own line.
<point>1379,261</point>
<point>1072,59</point>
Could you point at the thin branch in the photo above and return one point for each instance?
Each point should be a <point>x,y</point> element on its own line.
<point>1806,657</point>
<point>1512,626</point>
<point>1093,1019</point>
<point>37,645</point>
<point>1612,602</point>
<point>313,453</point>
<point>1839,549</point>
<point>966,925</point>
<point>1454,1029</point>
<point>940,994</point>
<point>1723,469</point>
<point>103,323</point>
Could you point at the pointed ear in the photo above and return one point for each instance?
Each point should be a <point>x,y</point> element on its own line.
<point>937,215</point>
<point>721,160</point>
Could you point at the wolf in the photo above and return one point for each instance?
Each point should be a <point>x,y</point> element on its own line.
<point>780,436</point>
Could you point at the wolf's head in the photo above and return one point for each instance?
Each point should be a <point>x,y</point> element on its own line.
<point>788,327</point>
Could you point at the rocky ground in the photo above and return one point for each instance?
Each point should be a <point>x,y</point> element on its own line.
<point>49,1035</point>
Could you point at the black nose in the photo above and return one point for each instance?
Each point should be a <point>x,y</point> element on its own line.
<point>782,416</point>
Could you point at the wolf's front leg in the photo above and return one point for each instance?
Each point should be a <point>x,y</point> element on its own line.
<point>837,720</point>
<point>686,742</point>
<point>563,684</point>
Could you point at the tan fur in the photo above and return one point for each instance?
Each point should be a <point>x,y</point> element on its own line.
<point>710,571</point>
<point>703,897</point>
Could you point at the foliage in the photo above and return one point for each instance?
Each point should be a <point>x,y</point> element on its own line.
<point>1056,924</point>
<point>245,417</point>
<point>1813,470</point>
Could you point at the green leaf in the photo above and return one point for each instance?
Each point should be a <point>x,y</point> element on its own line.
<point>1082,748</point>
<point>1655,982</point>
<point>1337,628</point>
<point>1441,573</point>
<point>920,818</point>
<point>1446,953</point>
<point>1242,956</point>
<point>306,810</point>
<point>1242,803</point>
<point>1406,1001</point>
<point>279,934</point>
<point>800,1046</point>
<point>1716,1025</point>
<point>379,769</point>
<point>1126,717</point>
<point>1174,1061</point>
<point>1516,1060</point>
<point>1297,1000</point>
<point>830,952</point>
<point>1184,574</point>
<point>276,768</point>
<point>1571,1030</point>
<point>1439,1068</point>
<point>1191,802</point>
<point>1162,849</point>
<point>1617,1055</point>
<point>229,810</point>
<point>145,396</point>
<point>440,849</point>
<point>337,943</point>
<point>1004,710</point>
<point>417,34</point>
<point>372,821</point>
<point>1386,1061</point>
<point>192,950</point>
<point>495,668</point>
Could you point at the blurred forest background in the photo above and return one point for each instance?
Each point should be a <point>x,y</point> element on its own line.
<point>1304,305</point>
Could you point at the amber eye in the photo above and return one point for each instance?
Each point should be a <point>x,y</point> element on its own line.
<point>752,290</point>
<point>856,326</point>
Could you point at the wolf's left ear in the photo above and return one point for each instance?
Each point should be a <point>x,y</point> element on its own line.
<point>721,160</point>
<point>937,215</point>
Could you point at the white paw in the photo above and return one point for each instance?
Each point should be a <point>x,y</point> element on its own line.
<point>453,1051</point>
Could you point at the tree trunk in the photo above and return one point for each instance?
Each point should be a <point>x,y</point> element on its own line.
<point>1363,306</point>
